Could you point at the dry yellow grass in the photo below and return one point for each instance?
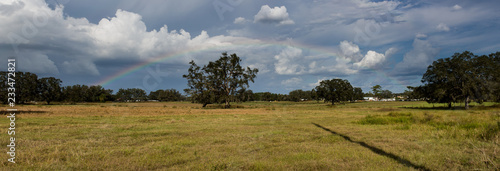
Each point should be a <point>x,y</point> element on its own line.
<point>255,136</point>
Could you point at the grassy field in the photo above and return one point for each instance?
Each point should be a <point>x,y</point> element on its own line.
<point>254,136</point>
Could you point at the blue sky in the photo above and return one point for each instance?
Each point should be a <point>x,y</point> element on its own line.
<point>295,44</point>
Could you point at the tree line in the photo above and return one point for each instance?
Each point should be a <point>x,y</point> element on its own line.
<point>30,88</point>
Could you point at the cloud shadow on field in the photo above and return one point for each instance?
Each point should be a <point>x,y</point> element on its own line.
<point>376,150</point>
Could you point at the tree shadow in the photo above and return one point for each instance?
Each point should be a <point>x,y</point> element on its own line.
<point>219,106</point>
<point>376,150</point>
<point>471,107</point>
<point>5,112</point>
<point>434,108</point>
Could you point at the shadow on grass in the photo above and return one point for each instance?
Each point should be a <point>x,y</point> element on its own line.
<point>434,108</point>
<point>5,112</point>
<point>218,106</point>
<point>472,107</point>
<point>376,150</point>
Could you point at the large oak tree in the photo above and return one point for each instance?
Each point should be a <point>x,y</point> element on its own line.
<point>462,77</point>
<point>219,81</point>
<point>335,90</point>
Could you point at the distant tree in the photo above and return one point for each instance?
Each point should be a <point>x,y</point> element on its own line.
<point>154,95</point>
<point>267,96</point>
<point>296,95</point>
<point>279,97</point>
<point>123,95</point>
<point>335,90</point>
<point>369,94</point>
<point>377,89</point>
<point>248,96</point>
<point>244,95</point>
<point>131,94</point>
<point>410,93</point>
<point>26,87</point>
<point>299,95</point>
<point>93,93</point>
<point>74,93</point>
<point>314,95</point>
<point>106,95</point>
<point>170,95</point>
<point>50,89</point>
<point>386,94</point>
<point>3,86</point>
<point>357,93</point>
<point>84,93</point>
<point>219,81</point>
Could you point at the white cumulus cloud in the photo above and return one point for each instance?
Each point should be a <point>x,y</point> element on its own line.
<point>286,61</point>
<point>276,15</point>
<point>372,59</point>
<point>442,27</point>
<point>350,50</point>
<point>77,44</point>
<point>239,20</point>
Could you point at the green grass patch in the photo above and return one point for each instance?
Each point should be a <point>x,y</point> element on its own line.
<point>391,118</point>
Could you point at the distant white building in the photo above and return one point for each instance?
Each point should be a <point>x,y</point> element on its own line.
<point>388,100</point>
<point>370,98</point>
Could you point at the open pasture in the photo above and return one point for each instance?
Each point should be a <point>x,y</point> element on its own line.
<point>254,136</point>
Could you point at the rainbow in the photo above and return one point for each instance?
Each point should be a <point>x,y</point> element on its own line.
<point>127,71</point>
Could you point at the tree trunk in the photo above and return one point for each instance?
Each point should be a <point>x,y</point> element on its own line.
<point>227,104</point>
<point>449,105</point>
<point>333,102</point>
<point>467,103</point>
<point>204,104</point>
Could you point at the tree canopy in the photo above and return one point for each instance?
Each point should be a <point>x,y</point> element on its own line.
<point>461,77</point>
<point>50,89</point>
<point>335,90</point>
<point>219,81</point>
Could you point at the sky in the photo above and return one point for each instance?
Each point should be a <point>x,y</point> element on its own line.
<point>294,44</point>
